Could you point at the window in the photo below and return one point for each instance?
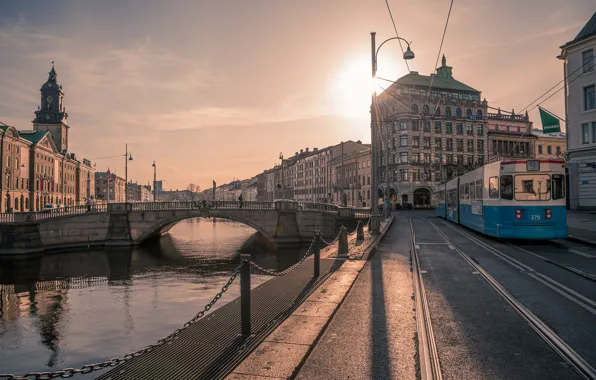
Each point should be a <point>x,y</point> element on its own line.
<point>416,175</point>
<point>415,141</point>
<point>437,111</point>
<point>458,112</point>
<point>449,159</point>
<point>448,111</point>
<point>532,187</point>
<point>425,109</point>
<point>449,144</point>
<point>585,134</point>
<point>558,186</point>
<point>479,130</point>
<point>481,160</point>
<point>459,128</point>
<point>470,160</point>
<point>539,149</point>
<point>426,142</point>
<point>415,125</point>
<point>426,125</point>
<point>549,149</point>
<point>479,189</point>
<point>449,127</point>
<point>479,113</point>
<point>438,142</point>
<point>461,191</point>
<point>467,191</point>
<point>589,97</point>
<point>403,157</point>
<point>480,145</point>
<point>403,174</point>
<point>593,131</point>
<point>588,60</point>
<point>426,158</point>
<point>470,130</point>
<point>437,127</point>
<point>460,145</point>
<point>403,125</point>
<point>470,145</point>
<point>472,191</point>
<point>437,158</point>
<point>468,113</point>
<point>460,159</point>
<point>403,141</point>
<point>415,158</point>
<point>558,150</point>
<point>506,187</point>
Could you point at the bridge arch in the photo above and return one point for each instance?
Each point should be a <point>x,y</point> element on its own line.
<point>163,225</point>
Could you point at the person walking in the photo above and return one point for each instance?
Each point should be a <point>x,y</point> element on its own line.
<point>240,200</point>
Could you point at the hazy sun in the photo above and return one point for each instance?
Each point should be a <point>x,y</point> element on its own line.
<point>352,86</point>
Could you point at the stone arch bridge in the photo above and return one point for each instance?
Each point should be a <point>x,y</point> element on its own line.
<point>121,224</point>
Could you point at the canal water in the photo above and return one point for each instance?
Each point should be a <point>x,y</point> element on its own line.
<point>68,309</point>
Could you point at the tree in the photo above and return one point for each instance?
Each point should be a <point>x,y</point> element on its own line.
<point>194,190</point>
<point>563,156</point>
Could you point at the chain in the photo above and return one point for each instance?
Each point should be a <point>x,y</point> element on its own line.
<point>290,269</point>
<point>334,240</point>
<point>69,372</point>
<point>356,230</point>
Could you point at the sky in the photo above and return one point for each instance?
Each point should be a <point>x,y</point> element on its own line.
<point>215,90</point>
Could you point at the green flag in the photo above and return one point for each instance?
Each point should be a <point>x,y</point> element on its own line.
<point>549,122</point>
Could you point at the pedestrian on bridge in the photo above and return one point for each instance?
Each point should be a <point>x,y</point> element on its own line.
<point>240,200</point>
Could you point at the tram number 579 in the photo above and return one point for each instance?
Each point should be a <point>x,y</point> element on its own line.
<point>534,217</point>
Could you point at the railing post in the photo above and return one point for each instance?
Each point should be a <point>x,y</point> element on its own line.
<point>342,246</point>
<point>245,294</point>
<point>317,253</point>
<point>360,231</point>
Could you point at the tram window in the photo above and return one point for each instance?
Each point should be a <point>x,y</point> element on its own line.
<point>507,187</point>
<point>493,187</point>
<point>472,191</point>
<point>532,187</point>
<point>461,191</point>
<point>479,189</point>
<point>467,191</point>
<point>558,186</point>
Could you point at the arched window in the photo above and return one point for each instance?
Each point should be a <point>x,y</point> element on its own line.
<point>438,111</point>
<point>414,108</point>
<point>479,113</point>
<point>448,111</point>
<point>425,109</point>
<point>468,113</point>
<point>458,112</point>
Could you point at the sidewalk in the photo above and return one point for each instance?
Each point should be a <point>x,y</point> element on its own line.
<point>372,335</point>
<point>582,226</point>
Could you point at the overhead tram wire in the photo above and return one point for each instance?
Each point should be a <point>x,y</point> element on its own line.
<point>439,53</point>
<point>553,87</point>
<point>550,96</point>
<point>396,34</point>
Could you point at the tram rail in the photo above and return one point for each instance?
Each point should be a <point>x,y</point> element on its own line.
<point>562,348</point>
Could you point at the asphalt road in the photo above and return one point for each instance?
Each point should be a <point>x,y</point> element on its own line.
<point>478,334</point>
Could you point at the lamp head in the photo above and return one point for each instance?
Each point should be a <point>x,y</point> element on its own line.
<point>129,157</point>
<point>409,54</point>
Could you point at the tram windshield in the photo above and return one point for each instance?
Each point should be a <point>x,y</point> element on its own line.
<point>532,187</point>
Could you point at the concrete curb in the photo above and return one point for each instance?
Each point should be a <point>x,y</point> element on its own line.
<point>286,349</point>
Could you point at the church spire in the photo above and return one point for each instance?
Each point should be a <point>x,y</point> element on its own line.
<point>52,74</point>
<point>444,61</point>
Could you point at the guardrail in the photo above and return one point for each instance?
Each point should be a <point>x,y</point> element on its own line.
<point>361,212</point>
<point>193,205</point>
<point>6,218</point>
<point>323,207</point>
<point>67,211</point>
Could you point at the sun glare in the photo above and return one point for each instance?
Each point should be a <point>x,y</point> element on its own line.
<point>352,86</point>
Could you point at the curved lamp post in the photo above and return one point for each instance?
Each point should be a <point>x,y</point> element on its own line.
<point>375,221</point>
<point>127,157</point>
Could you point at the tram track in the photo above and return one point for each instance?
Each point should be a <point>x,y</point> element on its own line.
<point>430,366</point>
<point>562,348</point>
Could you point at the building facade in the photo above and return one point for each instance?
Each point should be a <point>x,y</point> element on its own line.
<point>549,145</point>
<point>109,188</point>
<point>431,128</point>
<point>580,113</point>
<point>509,136</point>
<point>139,193</point>
<point>351,176</point>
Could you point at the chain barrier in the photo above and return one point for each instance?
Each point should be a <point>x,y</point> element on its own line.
<point>334,240</point>
<point>290,269</point>
<point>70,372</point>
<point>356,230</point>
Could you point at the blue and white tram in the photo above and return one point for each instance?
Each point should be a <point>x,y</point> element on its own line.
<point>521,199</point>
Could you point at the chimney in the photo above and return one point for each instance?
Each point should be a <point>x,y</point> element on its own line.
<point>359,142</point>
<point>306,150</point>
<point>315,149</point>
<point>296,154</point>
<point>301,151</point>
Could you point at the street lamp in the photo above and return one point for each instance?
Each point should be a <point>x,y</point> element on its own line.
<point>375,221</point>
<point>127,157</point>
<point>281,157</point>
<point>154,182</point>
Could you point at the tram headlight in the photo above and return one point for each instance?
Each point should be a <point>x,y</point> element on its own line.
<point>548,213</point>
<point>518,214</point>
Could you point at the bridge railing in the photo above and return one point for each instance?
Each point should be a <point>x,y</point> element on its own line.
<point>7,218</point>
<point>361,212</point>
<point>67,211</point>
<point>194,205</point>
<point>321,207</point>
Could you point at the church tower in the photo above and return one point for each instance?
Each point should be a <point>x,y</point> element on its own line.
<point>51,115</point>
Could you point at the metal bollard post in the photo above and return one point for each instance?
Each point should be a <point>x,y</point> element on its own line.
<point>342,246</point>
<point>245,294</point>
<point>317,254</point>
<point>360,231</point>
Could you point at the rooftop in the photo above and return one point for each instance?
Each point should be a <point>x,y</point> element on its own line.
<point>587,31</point>
<point>557,135</point>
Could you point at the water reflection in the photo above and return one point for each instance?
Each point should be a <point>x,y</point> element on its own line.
<point>69,309</point>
